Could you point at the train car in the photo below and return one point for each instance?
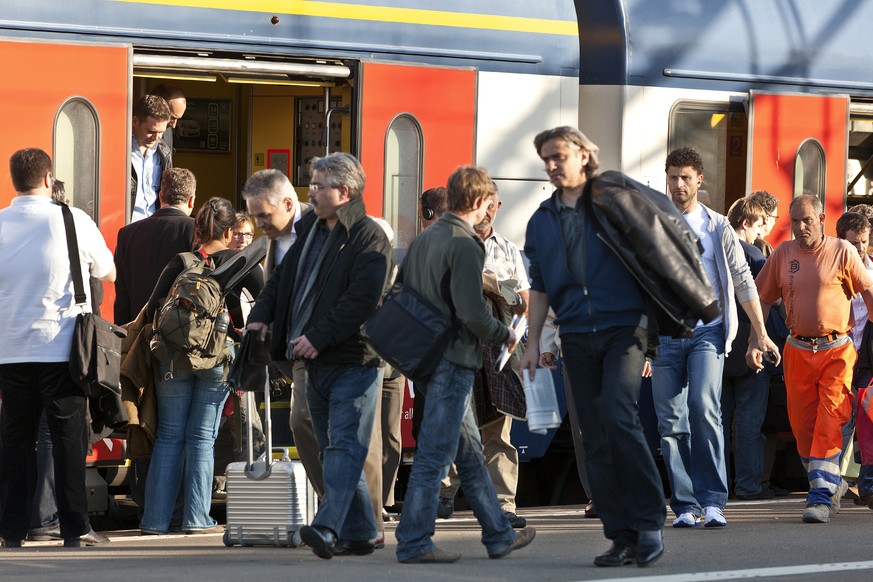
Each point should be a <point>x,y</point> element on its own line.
<point>775,96</point>
<point>414,89</point>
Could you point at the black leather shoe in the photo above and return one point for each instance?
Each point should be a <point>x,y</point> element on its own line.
<point>650,547</point>
<point>591,510</point>
<point>354,547</point>
<point>446,507</point>
<point>92,538</point>
<point>617,555</point>
<point>516,521</point>
<point>320,539</point>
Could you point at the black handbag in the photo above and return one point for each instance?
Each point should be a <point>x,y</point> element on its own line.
<point>410,333</point>
<point>248,371</point>
<point>95,356</point>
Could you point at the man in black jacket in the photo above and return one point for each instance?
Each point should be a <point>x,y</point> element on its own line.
<point>327,286</point>
<point>144,248</point>
<point>602,301</point>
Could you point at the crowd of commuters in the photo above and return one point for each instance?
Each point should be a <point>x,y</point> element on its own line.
<point>699,302</point>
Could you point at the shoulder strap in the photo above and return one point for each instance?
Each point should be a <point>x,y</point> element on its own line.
<point>73,253</point>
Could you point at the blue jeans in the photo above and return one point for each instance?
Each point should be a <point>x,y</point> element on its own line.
<point>342,404</point>
<point>45,509</point>
<point>686,386</point>
<point>189,410</point>
<point>449,434</point>
<point>744,399</point>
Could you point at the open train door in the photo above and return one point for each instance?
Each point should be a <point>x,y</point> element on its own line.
<point>73,101</point>
<point>798,144</point>
<point>417,126</point>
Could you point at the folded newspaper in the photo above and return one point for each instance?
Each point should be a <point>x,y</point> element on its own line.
<point>519,327</point>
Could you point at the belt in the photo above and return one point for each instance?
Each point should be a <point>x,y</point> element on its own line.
<point>822,339</point>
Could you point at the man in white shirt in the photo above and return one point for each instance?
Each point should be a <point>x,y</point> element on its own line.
<point>40,311</point>
<point>687,372</point>
<point>149,155</point>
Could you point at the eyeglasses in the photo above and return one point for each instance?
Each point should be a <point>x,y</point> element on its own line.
<point>243,234</point>
<point>315,186</point>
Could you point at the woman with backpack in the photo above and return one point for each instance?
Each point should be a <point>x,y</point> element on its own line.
<point>190,387</point>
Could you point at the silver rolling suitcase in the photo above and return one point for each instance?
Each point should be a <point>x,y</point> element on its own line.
<point>267,501</point>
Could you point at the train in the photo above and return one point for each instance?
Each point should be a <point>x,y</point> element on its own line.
<point>776,96</point>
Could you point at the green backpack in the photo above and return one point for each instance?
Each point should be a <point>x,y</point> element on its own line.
<point>190,330</point>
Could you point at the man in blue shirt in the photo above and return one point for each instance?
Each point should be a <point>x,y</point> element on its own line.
<point>149,156</point>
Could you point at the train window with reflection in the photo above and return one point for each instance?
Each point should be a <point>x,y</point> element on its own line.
<point>76,153</point>
<point>718,131</point>
<point>809,169</point>
<point>404,147</point>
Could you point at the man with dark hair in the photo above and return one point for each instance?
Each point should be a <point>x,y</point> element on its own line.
<point>854,228</point>
<point>40,309</point>
<point>149,156</point>
<point>687,372</point>
<point>328,285</point>
<point>144,248</point>
<point>450,250</point>
<point>816,277</point>
<point>177,103</point>
<point>586,262</point>
<point>433,205</point>
<point>770,205</point>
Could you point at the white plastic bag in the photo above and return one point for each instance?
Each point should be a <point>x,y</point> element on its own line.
<point>542,402</point>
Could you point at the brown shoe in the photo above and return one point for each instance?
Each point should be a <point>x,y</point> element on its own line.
<point>522,538</point>
<point>435,556</point>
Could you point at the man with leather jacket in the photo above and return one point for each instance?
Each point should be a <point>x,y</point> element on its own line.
<point>615,261</point>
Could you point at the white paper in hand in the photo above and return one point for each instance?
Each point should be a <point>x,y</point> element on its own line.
<point>542,402</point>
<point>519,327</point>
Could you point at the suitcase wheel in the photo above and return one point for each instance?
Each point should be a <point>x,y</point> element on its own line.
<point>226,539</point>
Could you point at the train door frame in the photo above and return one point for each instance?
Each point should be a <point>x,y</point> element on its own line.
<point>781,126</point>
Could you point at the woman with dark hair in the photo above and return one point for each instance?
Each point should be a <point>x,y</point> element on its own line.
<point>190,402</point>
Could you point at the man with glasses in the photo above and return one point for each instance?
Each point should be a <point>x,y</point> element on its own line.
<point>243,232</point>
<point>328,285</point>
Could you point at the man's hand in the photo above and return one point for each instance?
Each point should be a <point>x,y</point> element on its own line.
<point>529,360</point>
<point>548,360</point>
<point>761,349</point>
<point>303,348</point>
<point>259,328</point>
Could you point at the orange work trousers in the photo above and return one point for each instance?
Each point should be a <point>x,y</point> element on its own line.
<point>818,386</point>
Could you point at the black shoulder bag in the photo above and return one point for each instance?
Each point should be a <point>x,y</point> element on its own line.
<point>95,356</point>
<point>409,332</point>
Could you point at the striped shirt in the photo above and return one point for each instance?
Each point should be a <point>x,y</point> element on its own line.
<point>504,260</point>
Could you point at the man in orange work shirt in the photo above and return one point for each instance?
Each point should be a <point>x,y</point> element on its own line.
<point>816,276</point>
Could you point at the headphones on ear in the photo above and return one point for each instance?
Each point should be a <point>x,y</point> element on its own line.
<point>427,212</point>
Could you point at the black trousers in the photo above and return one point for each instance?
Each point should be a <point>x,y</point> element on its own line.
<point>27,389</point>
<point>605,369</point>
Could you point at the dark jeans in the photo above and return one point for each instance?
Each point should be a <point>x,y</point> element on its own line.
<point>604,369</point>
<point>342,403</point>
<point>26,389</point>
<point>45,510</point>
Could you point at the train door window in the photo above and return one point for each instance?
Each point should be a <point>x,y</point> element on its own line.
<point>718,132</point>
<point>404,145</point>
<point>809,169</point>
<point>76,153</point>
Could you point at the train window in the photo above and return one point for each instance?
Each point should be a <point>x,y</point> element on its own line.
<point>404,145</point>
<point>809,169</point>
<point>76,153</point>
<point>718,131</point>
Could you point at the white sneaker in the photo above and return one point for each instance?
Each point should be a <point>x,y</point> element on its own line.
<point>686,519</point>
<point>838,497</point>
<point>713,517</point>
